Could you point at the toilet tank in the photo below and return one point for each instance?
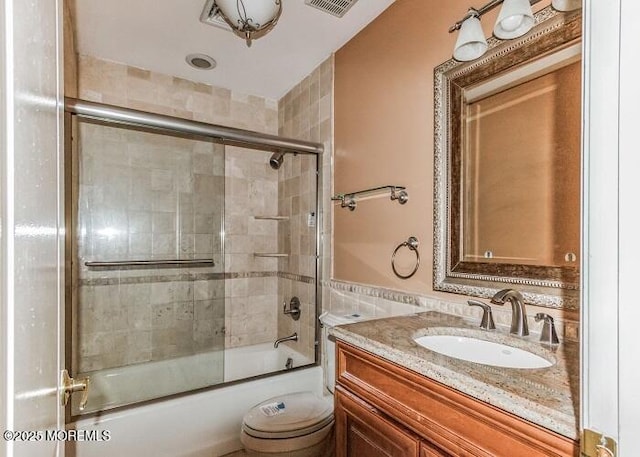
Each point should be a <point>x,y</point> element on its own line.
<point>329,320</point>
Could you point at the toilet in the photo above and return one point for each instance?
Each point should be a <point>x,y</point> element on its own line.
<point>298,424</point>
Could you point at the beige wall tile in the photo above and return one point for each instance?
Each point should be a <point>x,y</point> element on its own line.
<point>164,197</point>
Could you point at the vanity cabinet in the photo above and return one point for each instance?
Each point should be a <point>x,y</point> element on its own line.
<point>366,432</point>
<point>427,450</point>
<point>383,409</point>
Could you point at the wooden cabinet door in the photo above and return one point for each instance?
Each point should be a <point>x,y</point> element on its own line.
<point>427,450</point>
<point>362,432</point>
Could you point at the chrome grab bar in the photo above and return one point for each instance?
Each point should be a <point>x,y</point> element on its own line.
<point>348,200</point>
<point>144,263</point>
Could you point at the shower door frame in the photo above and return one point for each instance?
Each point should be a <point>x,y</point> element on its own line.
<point>228,136</point>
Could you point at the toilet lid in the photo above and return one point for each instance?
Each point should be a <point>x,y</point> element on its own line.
<point>288,415</point>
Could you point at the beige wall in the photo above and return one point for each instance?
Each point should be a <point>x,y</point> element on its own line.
<point>384,135</point>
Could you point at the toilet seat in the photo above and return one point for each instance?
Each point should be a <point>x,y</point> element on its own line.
<point>288,416</point>
<point>291,447</point>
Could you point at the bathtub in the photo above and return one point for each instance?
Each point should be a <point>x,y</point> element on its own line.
<point>125,385</point>
<point>203,424</point>
<point>248,361</point>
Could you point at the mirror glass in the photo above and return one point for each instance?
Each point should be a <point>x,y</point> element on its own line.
<point>521,165</point>
<point>507,166</point>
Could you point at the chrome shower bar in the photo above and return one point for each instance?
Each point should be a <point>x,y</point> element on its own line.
<point>150,263</point>
<point>222,134</point>
<point>480,11</point>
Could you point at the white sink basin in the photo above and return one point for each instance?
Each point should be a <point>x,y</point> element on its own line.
<point>480,351</point>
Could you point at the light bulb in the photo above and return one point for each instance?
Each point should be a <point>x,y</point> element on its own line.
<point>512,23</point>
<point>515,19</point>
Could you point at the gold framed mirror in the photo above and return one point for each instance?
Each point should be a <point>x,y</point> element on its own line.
<point>507,166</point>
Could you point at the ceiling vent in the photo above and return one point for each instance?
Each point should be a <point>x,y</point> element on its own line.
<point>336,8</point>
<point>208,17</point>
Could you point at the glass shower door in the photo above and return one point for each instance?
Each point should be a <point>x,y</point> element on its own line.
<point>146,211</point>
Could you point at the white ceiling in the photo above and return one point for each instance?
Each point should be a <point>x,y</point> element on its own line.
<point>157,35</point>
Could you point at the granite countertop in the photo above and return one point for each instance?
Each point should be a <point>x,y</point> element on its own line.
<point>548,397</point>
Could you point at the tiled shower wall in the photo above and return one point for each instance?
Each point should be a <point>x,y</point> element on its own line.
<point>130,207</point>
<point>305,113</point>
<point>252,300</point>
<point>164,313</point>
<point>131,87</point>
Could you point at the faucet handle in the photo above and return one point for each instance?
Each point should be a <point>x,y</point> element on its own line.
<point>487,322</point>
<point>548,334</point>
<point>294,308</point>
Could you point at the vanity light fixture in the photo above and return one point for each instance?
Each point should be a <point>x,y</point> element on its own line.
<point>566,5</point>
<point>515,19</point>
<point>249,19</point>
<point>471,42</point>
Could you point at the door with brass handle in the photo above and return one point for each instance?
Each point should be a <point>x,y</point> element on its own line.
<point>594,444</point>
<point>70,385</point>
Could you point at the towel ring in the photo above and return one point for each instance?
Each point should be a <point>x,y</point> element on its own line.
<point>412,244</point>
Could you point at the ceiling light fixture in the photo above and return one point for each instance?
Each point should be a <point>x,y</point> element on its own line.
<point>515,19</point>
<point>249,19</point>
<point>201,61</point>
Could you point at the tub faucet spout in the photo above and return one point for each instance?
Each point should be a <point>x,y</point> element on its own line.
<point>293,337</point>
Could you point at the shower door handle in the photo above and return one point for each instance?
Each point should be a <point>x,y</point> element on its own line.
<point>70,385</point>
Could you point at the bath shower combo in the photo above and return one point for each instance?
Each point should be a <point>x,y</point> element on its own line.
<point>181,254</point>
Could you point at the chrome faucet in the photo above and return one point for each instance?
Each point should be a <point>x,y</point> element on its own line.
<point>519,324</point>
<point>293,337</point>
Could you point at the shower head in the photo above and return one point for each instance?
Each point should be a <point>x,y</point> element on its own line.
<point>276,160</point>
